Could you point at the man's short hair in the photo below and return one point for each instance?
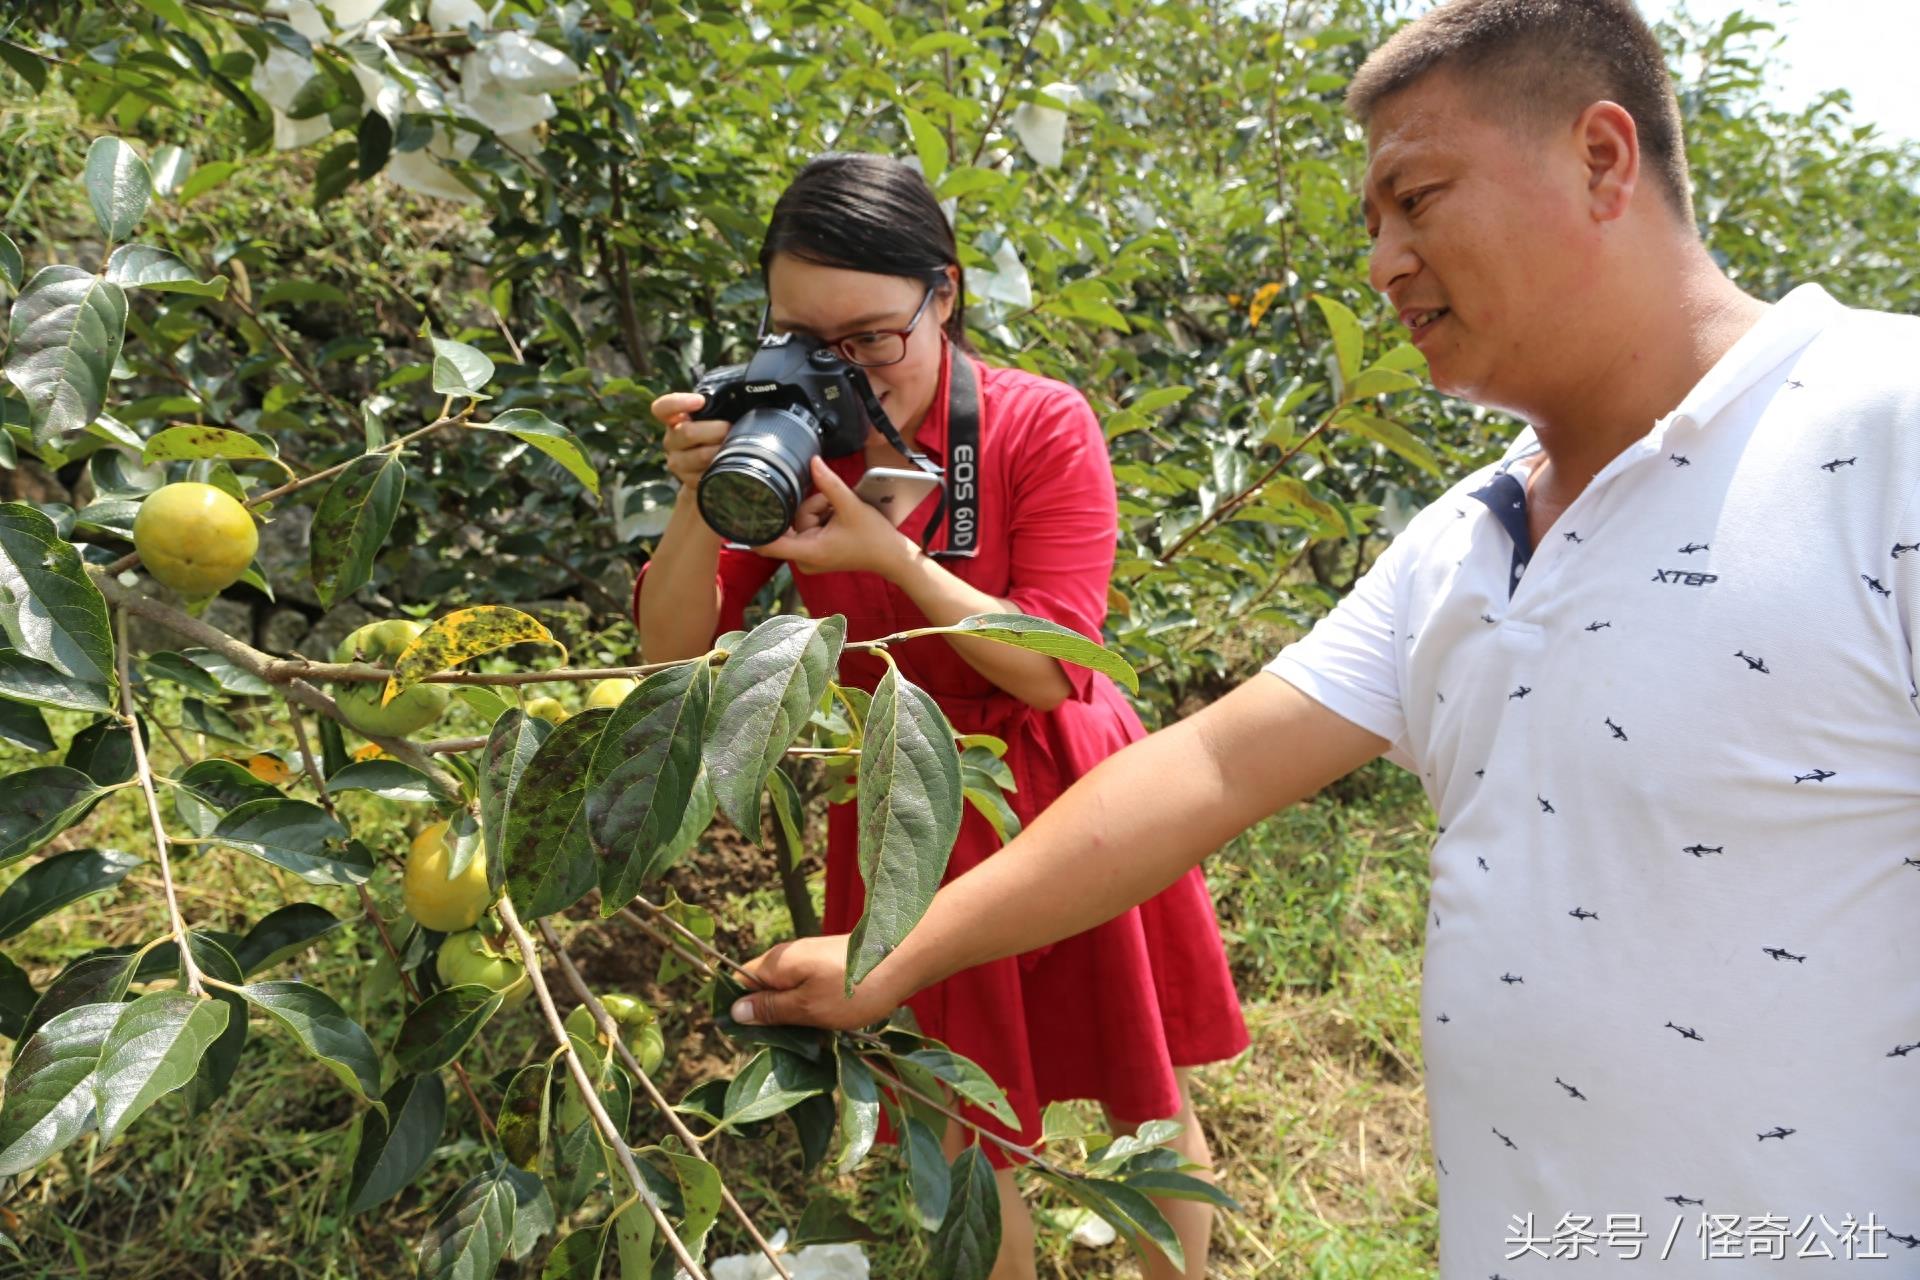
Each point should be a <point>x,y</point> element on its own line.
<point>1541,61</point>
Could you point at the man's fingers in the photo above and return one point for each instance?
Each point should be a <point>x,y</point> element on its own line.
<point>762,1008</point>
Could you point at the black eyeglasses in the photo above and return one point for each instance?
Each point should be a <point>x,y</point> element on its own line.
<point>874,348</point>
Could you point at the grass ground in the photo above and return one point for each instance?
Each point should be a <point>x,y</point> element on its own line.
<point>1319,1128</point>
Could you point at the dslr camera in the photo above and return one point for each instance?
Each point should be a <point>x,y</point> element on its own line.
<point>795,398</point>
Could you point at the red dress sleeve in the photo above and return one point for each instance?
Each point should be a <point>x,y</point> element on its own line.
<point>740,575</point>
<point>1062,522</point>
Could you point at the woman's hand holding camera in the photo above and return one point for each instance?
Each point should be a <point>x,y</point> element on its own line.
<point>835,531</point>
<point>690,444</point>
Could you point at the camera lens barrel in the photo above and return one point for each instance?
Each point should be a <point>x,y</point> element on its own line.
<point>757,481</point>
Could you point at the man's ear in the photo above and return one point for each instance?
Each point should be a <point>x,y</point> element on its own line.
<point>1609,145</point>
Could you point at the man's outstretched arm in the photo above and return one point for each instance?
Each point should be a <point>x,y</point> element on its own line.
<point>1119,835</point>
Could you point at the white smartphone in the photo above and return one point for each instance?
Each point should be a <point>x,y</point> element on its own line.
<point>895,491</point>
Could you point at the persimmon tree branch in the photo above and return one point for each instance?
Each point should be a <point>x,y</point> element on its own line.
<point>611,1030</point>
<point>145,771</point>
<point>617,1141</point>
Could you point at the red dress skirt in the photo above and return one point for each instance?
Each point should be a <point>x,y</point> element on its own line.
<point>1106,1014</point>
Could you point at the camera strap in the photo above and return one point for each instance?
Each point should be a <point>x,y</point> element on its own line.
<point>960,493</point>
<point>959,502</point>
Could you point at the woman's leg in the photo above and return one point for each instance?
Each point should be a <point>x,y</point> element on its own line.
<point>1191,1220</point>
<point>1015,1260</point>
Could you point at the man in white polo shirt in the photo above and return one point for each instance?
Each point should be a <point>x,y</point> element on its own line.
<point>1656,668</point>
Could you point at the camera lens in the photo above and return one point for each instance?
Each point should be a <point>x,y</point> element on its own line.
<point>755,484</point>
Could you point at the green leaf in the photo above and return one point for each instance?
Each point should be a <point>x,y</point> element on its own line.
<point>230,678</point>
<point>909,813</point>
<point>24,65</point>
<point>460,635</point>
<point>873,21</point>
<point>25,725</point>
<point>24,680</point>
<point>772,1082</point>
<point>1136,1217</point>
<point>388,779</point>
<point>577,1255</point>
<point>298,836</point>
<point>549,859</point>
<point>460,370</point>
<point>859,1109</point>
<point>929,144</point>
<point>1171,1184</point>
<point>59,879</point>
<point>17,998</point>
<point>700,1196</point>
<point>549,438</point>
<point>222,1058</point>
<point>1041,636</point>
<point>104,751</point>
<point>828,1221</point>
<point>969,1236</point>
<point>167,665</point>
<point>439,1027</point>
<point>206,178</point>
<point>633,1232</point>
<point>523,1115</point>
<point>1404,357</point>
<point>642,776</point>
<point>1380,382</point>
<point>119,187</point>
<point>1349,339</point>
<point>789,819</point>
<point>51,610</point>
<point>927,1174</point>
<point>324,1030</point>
<point>1392,435</point>
<point>470,1237</point>
<point>49,1095</point>
<point>97,979</point>
<point>762,699</point>
<point>12,265</point>
<point>351,525</point>
<point>511,746</point>
<point>155,1048</point>
<point>210,788</point>
<point>38,804</point>
<point>204,717</point>
<point>284,932</point>
<point>968,1079</point>
<point>145,267</point>
<point>202,442</point>
<point>395,1148</point>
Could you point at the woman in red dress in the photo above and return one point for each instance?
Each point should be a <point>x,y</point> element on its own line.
<point>858,254</point>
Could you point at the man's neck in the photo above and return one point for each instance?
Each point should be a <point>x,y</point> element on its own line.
<point>1668,340</point>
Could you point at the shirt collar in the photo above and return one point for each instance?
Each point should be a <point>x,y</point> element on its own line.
<point>1787,326</point>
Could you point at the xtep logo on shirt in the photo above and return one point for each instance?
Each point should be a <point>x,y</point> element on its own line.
<point>1685,577</point>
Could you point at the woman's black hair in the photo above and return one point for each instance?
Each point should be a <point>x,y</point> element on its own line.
<point>867,213</point>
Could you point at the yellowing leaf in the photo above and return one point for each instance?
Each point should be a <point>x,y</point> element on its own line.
<point>463,634</point>
<point>269,769</point>
<point>1263,299</point>
<point>372,751</point>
